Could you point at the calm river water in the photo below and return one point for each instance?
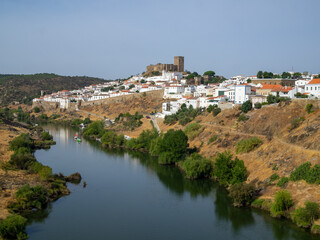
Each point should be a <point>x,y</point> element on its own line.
<point>130,196</point>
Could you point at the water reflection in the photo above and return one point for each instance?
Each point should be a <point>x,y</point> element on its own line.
<point>221,220</point>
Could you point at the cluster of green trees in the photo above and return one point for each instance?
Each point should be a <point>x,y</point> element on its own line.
<point>22,158</point>
<point>276,99</point>
<point>246,106</point>
<point>13,227</point>
<point>77,121</point>
<point>29,198</point>
<point>284,75</point>
<point>129,121</point>
<point>107,89</point>
<point>214,109</point>
<point>184,115</point>
<point>197,166</point>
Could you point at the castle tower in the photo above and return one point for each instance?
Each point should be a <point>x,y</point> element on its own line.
<point>179,62</point>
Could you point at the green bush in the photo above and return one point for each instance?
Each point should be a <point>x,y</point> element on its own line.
<point>216,110</point>
<point>94,129</point>
<point>210,108</point>
<point>274,177</point>
<point>246,106</point>
<point>36,109</point>
<point>242,118</point>
<point>22,159</point>
<point>313,176</point>
<point>46,136</point>
<point>212,139</point>
<point>13,227</point>
<point>184,115</point>
<point>301,172</point>
<point>197,167</point>
<point>193,130</point>
<point>173,147</point>
<point>258,203</point>
<point>28,198</point>
<point>282,202</point>
<point>242,194</point>
<point>258,105</point>
<point>24,140</point>
<point>309,107</point>
<point>305,217</point>
<point>282,181</point>
<point>247,145</point>
<point>229,171</point>
<point>295,122</point>
<point>129,121</point>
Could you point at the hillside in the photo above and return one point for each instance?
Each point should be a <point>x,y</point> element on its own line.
<point>23,88</point>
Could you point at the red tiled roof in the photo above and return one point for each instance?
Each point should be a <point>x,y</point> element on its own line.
<point>315,81</point>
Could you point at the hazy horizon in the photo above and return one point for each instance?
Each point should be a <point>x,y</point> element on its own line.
<point>115,39</point>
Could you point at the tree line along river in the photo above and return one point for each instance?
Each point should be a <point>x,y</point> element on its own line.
<point>130,196</point>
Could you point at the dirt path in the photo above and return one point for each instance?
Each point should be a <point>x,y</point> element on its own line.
<point>93,114</point>
<point>277,139</point>
<point>155,123</point>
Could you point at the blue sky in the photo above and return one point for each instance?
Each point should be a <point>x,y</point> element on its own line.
<point>118,38</point>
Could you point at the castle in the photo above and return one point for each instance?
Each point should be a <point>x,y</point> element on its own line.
<point>177,66</point>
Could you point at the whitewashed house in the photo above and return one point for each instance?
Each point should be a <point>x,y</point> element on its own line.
<point>242,93</point>
<point>313,87</point>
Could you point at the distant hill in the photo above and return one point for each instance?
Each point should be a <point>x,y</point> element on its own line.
<point>23,88</point>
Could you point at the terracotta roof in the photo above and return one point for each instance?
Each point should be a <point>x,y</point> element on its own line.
<point>272,87</point>
<point>315,81</point>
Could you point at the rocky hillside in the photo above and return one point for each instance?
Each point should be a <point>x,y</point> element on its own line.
<point>23,88</point>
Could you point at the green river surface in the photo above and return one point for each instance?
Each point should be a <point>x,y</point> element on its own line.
<point>130,196</point>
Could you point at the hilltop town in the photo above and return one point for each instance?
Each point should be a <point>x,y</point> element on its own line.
<point>199,91</point>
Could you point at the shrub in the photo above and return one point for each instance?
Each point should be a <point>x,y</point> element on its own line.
<point>258,203</point>
<point>305,217</point>
<point>282,202</point>
<point>192,130</point>
<point>313,176</point>
<point>13,227</point>
<point>258,105</point>
<point>197,167</point>
<point>212,139</point>
<point>282,181</point>
<point>247,145</point>
<point>24,140</point>
<point>228,171</point>
<point>94,129</point>
<point>301,172</point>
<point>184,115</point>
<point>36,109</point>
<point>246,106</point>
<point>173,147</point>
<point>28,198</point>
<point>295,122</point>
<point>216,111</point>
<point>274,177</point>
<point>46,136</point>
<point>242,118</point>
<point>242,194</point>
<point>309,107</point>
<point>210,108</point>
<point>239,172</point>
<point>22,159</point>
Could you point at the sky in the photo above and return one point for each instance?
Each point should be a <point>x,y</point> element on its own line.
<point>118,38</point>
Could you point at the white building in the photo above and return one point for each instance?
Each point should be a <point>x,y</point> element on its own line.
<point>242,93</point>
<point>313,87</point>
<point>173,91</point>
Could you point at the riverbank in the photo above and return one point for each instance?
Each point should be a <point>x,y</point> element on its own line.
<point>25,184</point>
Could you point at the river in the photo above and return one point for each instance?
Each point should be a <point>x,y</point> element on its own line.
<point>130,196</point>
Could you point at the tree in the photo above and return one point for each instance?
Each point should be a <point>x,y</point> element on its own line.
<point>173,147</point>
<point>282,202</point>
<point>246,106</point>
<point>242,194</point>
<point>249,80</point>
<point>286,75</point>
<point>305,217</point>
<point>239,172</point>
<point>131,86</point>
<point>13,227</point>
<point>223,167</point>
<point>209,73</point>
<point>297,75</point>
<point>36,109</point>
<point>260,74</point>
